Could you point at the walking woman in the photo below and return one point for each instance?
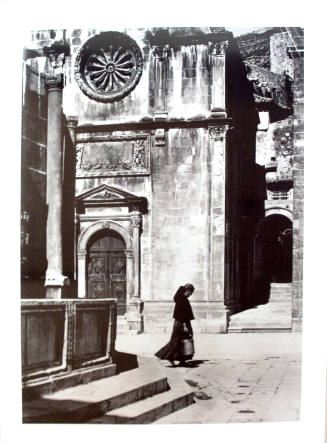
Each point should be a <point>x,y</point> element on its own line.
<point>182,329</point>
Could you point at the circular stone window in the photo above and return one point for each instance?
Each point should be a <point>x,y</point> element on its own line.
<point>108,66</point>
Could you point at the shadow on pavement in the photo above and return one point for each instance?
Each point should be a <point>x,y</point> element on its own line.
<point>194,363</point>
<point>125,361</point>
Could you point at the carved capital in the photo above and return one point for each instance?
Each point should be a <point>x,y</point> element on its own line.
<point>56,54</point>
<point>219,48</point>
<point>159,138</point>
<point>161,52</point>
<point>136,220</point>
<point>129,254</point>
<point>54,278</point>
<point>54,82</point>
<point>72,122</point>
<point>218,132</point>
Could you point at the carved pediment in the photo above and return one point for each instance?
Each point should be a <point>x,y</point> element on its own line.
<point>106,196</point>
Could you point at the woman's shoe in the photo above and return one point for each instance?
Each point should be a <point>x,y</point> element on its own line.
<point>182,363</point>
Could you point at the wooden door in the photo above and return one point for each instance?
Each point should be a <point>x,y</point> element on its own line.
<point>107,269</point>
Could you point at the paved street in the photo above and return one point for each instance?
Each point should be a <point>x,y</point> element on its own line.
<point>236,377</point>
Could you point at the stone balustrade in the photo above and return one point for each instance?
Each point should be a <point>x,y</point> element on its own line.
<point>66,342</point>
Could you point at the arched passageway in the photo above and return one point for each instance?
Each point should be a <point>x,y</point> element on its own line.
<point>273,255</point>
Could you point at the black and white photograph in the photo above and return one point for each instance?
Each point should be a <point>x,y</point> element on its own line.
<point>161,226</point>
<point>162,196</point>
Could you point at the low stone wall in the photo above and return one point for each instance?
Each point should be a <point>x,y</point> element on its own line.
<point>66,342</point>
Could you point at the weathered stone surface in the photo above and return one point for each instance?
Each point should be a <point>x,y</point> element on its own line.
<point>205,184</point>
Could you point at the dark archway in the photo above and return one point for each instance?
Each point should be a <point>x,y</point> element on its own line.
<point>106,268</point>
<point>273,255</point>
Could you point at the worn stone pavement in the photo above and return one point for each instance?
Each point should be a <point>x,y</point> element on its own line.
<point>237,378</point>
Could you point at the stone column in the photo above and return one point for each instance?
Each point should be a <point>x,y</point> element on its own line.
<point>81,257</point>
<point>218,62</point>
<point>161,54</point>
<point>218,222</point>
<point>134,316</point>
<point>55,280</point>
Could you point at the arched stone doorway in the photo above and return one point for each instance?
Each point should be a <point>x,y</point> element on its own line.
<point>273,254</point>
<point>106,268</point>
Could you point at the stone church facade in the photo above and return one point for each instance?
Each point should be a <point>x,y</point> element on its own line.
<point>156,157</point>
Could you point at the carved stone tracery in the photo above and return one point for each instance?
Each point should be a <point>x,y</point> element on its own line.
<point>108,66</point>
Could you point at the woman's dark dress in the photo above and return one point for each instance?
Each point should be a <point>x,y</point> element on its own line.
<point>182,314</point>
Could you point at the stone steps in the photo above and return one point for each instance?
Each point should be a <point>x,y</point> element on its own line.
<point>153,408</point>
<point>136,396</point>
<point>274,316</point>
<point>81,403</point>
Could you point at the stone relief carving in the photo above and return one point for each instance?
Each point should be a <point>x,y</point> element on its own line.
<point>108,66</point>
<point>116,155</point>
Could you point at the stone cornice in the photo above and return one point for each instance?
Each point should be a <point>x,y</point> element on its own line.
<point>153,125</point>
<point>186,40</point>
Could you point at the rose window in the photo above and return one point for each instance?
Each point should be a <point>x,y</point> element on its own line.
<point>108,66</point>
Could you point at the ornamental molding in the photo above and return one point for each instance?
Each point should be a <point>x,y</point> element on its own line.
<point>89,231</point>
<point>105,192</point>
<point>108,66</point>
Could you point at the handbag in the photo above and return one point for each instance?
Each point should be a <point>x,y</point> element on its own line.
<point>187,347</point>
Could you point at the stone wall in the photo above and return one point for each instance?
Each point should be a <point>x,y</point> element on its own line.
<point>205,196</point>
<point>298,176</point>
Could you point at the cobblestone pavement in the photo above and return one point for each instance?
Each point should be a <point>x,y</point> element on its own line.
<point>237,378</point>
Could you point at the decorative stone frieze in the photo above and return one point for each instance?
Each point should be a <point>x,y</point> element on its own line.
<point>108,66</point>
<point>113,155</point>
